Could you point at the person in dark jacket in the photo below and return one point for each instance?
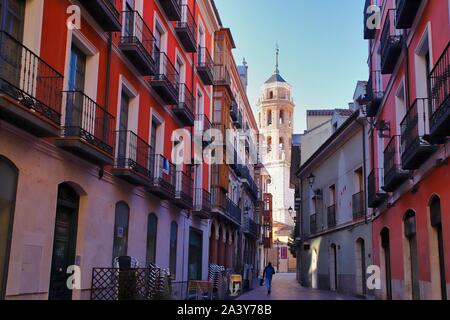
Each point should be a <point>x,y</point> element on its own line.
<point>268,273</point>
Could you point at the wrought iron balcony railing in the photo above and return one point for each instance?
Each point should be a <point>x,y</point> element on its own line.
<point>391,43</point>
<point>374,94</point>
<point>30,89</point>
<point>205,66</point>
<point>105,12</point>
<point>415,132</point>
<point>184,191</point>
<point>133,159</point>
<point>251,227</point>
<point>375,193</point>
<point>172,9</point>
<point>186,29</point>
<point>166,80</point>
<point>394,175</point>
<point>358,207</point>
<point>331,216</point>
<point>440,96</point>
<point>406,12</point>
<point>138,43</point>
<point>202,203</point>
<point>218,199</point>
<point>88,129</point>
<point>185,108</point>
<point>164,177</point>
<point>233,212</point>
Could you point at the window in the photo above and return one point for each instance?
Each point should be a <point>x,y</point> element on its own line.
<point>195,254</point>
<point>271,95</point>
<point>123,126</point>
<point>173,249</point>
<point>8,187</point>
<point>152,231</point>
<point>281,120</point>
<point>332,195</point>
<point>269,118</point>
<point>12,16</point>
<point>269,144</point>
<point>120,245</point>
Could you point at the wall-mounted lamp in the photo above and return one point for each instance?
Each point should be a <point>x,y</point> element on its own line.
<point>311,180</point>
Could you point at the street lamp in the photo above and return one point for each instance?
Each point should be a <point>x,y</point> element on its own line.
<point>311,180</point>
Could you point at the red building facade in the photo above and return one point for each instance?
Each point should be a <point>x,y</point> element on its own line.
<point>408,103</point>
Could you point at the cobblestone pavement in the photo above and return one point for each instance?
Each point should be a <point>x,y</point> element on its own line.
<point>286,287</point>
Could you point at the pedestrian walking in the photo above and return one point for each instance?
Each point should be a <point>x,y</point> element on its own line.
<point>268,273</point>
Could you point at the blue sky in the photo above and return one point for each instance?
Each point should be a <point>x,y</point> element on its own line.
<point>322,50</point>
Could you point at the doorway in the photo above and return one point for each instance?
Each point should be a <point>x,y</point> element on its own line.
<point>195,254</point>
<point>64,244</point>
<point>333,268</point>
<point>361,267</point>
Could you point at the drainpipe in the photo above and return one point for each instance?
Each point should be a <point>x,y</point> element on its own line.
<point>106,95</point>
<point>407,64</point>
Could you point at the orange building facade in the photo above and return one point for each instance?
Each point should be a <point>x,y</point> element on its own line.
<point>96,98</point>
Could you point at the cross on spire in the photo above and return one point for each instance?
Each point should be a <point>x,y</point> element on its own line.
<point>277,50</point>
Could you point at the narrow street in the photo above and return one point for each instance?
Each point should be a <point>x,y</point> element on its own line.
<point>286,287</point>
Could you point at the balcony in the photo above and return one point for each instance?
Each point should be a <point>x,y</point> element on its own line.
<point>133,159</point>
<point>234,111</point>
<point>166,81</point>
<point>138,43</point>
<point>313,224</point>
<point>251,227</point>
<point>233,212</point>
<point>205,66</point>
<point>440,93</point>
<point>358,207</point>
<point>391,44</point>
<point>30,90</point>
<point>376,195</point>
<point>394,175</point>
<point>238,122</point>
<point>369,31</point>
<point>183,192</point>
<point>88,129</point>
<point>186,29</point>
<point>374,94</point>
<point>105,12</point>
<point>184,111</point>
<point>220,175</point>
<point>202,204</point>
<point>222,77</point>
<point>331,216</point>
<point>202,124</point>
<point>164,177</point>
<point>407,12</point>
<point>249,183</point>
<point>172,9</point>
<point>415,133</point>
<point>218,199</point>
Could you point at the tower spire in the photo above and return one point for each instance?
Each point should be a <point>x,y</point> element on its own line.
<point>277,50</point>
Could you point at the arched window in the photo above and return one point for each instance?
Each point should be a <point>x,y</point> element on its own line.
<point>173,249</point>
<point>281,144</point>
<point>120,245</point>
<point>152,231</point>
<point>271,95</point>
<point>281,120</point>
<point>269,144</point>
<point>437,244</point>
<point>8,187</point>
<point>269,117</point>
<point>413,262</point>
<point>386,258</point>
